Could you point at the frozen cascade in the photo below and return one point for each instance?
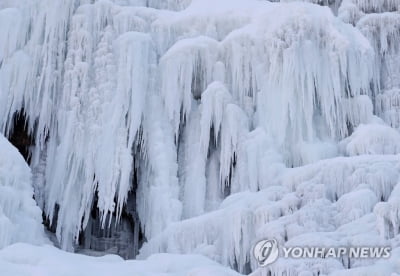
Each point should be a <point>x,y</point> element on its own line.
<point>289,211</point>
<point>379,21</point>
<point>203,130</point>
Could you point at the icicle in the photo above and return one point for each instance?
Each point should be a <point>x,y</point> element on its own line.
<point>388,215</point>
<point>213,103</point>
<point>186,69</point>
<point>234,127</point>
<point>259,164</point>
<point>383,32</point>
<point>388,107</point>
<point>193,166</point>
<point>158,192</point>
<point>374,6</point>
<point>309,106</point>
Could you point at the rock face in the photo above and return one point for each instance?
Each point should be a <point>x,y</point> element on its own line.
<point>20,136</point>
<point>203,126</point>
<point>20,217</point>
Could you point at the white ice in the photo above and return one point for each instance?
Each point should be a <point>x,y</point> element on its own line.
<point>242,119</point>
<point>20,217</point>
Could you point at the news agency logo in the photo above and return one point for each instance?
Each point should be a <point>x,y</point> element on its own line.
<point>267,252</point>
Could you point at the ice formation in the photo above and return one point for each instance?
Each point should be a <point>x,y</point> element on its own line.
<point>204,126</point>
<point>372,139</point>
<point>20,217</point>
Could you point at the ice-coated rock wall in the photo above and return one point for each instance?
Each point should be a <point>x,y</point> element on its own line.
<point>181,104</point>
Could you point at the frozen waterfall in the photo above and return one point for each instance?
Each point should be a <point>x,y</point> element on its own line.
<point>203,126</point>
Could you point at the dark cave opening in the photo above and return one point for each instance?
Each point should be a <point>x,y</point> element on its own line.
<point>19,135</point>
<point>51,225</point>
<point>123,237</point>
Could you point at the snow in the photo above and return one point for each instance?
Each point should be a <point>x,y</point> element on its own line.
<point>228,121</point>
<point>26,260</point>
<point>372,139</point>
<point>20,217</point>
